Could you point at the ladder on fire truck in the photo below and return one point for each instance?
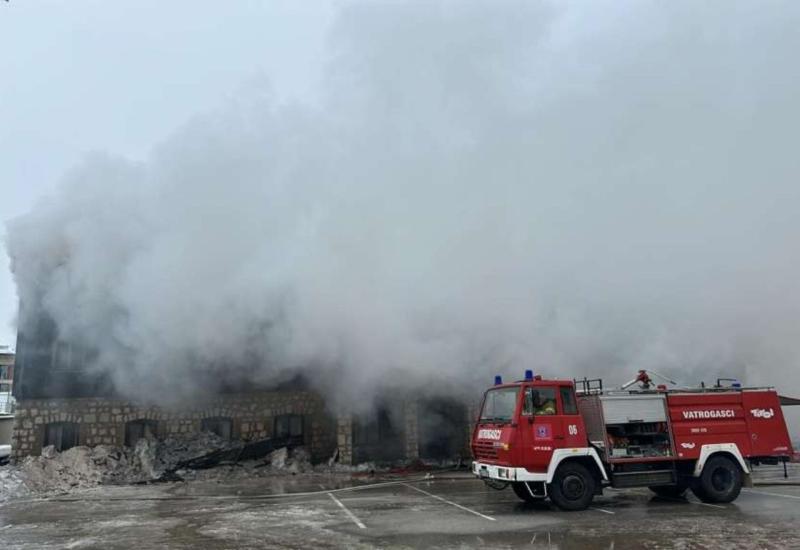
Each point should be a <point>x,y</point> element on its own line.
<point>594,386</point>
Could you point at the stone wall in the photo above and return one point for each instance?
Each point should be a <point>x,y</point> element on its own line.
<point>473,412</point>
<point>344,438</point>
<point>410,410</point>
<point>102,421</point>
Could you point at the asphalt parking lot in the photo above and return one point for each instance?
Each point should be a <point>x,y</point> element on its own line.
<point>327,512</point>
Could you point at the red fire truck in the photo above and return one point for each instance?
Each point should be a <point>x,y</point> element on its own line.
<point>547,440</point>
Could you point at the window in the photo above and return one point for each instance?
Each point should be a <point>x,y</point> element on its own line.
<point>69,356</point>
<point>374,429</point>
<point>5,371</point>
<point>61,355</point>
<point>527,403</point>
<point>499,405</point>
<point>568,400</point>
<point>289,425</point>
<point>539,401</point>
<point>222,426</point>
<point>61,435</point>
<point>140,429</point>
<point>6,400</point>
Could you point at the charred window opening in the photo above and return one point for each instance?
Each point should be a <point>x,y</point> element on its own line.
<point>68,356</point>
<point>140,429</point>
<point>289,425</point>
<point>220,425</point>
<point>376,437</point>
<point>61,435</point>
<point>442,425</point>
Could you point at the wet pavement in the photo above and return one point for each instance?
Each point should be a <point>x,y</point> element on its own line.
<point>330,512</point>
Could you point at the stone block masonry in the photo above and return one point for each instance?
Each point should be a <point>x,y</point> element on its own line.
<point>344,438</point>
<point>411,410</point>
<point>102,421</point>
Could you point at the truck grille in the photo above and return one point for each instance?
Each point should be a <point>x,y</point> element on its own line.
<point>485,449</point>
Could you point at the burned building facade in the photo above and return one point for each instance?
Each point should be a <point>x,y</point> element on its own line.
<point>63,403</point>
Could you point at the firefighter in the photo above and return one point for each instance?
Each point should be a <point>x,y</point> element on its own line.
<point>543,406</point>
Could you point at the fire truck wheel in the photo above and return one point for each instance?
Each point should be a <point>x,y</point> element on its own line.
<point>669,491</point>
<point>573,487</point>
<point>522,492</point>
<point>720,481</point>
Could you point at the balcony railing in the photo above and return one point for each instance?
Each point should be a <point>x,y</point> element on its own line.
<point>6,403</point>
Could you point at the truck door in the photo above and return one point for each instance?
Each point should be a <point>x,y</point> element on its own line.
<point>572,428</point>
<point>540,427</point>
<point>766,425</point>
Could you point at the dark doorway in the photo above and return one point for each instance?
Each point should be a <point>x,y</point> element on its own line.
<point>140,429</point>
<point>442,429</point>
<point>289,426</point>
<point>220,425</point>
<point>377,437</point>
<point>61,435</point>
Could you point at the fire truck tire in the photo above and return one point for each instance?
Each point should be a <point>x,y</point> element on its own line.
<point>720,481</point>
<point>522,492</point>
<point>669,491</point>
<point>573,486</point>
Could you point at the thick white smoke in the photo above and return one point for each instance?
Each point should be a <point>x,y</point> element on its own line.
<point>580,189</point>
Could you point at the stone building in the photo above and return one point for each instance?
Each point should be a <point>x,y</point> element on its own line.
<point>6,380</point>
<point>6,398</point>
<point>60,403</point>
<point>67,422</point>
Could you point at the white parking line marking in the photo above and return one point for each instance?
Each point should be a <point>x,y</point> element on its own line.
<point>692,502</point>
<point>450,502</point>
<point>707,504</point>
<point>350,514</point>
<point>771,494</point>
<point>604,511</point>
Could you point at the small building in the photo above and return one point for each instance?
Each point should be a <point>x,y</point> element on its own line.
<point>61,402</point>
<point>6,396</point>
<point>6,380</point>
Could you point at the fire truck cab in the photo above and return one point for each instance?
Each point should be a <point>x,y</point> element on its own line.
<point>547,440</point>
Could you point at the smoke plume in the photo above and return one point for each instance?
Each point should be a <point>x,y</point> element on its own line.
<point>580,189</point>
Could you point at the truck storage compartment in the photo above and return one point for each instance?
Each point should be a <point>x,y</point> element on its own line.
<point>636,426</point>
<point>633,408</point>
<point>638,440</point>
<point>627,426</point>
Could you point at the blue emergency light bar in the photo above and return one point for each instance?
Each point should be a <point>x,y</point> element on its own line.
<point>498,380</point>
<point>528,375</point>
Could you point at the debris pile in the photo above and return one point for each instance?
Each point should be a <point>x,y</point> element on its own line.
<point>76,468</point>
<point>173,459</point>
<point>12,483</point>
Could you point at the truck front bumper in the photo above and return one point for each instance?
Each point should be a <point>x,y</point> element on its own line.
<point>485,470</point>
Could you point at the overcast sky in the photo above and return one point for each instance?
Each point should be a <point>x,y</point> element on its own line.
<point>77,77</point>
<point>592,185</point>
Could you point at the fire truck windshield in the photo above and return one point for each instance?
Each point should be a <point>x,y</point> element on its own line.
<point>499,405</point>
